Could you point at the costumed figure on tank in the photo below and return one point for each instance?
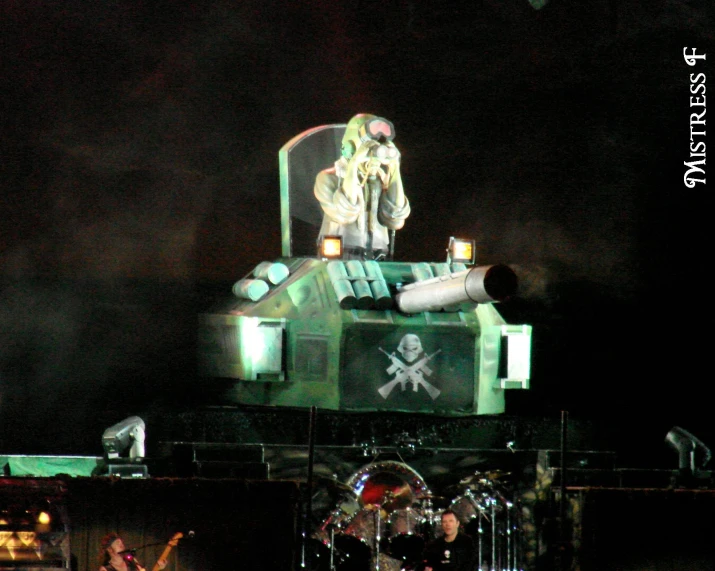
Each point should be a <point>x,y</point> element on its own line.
<point>361,195</point>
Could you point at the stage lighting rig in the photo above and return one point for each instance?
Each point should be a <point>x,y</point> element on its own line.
<point>693,455</point>
<point>127,436</point>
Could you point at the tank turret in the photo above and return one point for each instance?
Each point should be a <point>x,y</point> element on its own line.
<point>361,332</point>
<point>365,335</point>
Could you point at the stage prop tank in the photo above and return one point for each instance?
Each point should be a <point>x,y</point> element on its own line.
<point>350,328</point>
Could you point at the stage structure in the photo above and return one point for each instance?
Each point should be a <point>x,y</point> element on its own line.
<point>371,506</point>
<point>365,396</point>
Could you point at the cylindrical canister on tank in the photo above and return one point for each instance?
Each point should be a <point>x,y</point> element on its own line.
<point>274,272</point>
<point>341,284</point>
<point>422,271</point>
<point>441,269</point>
<point>250,289</point>
<point>380,291</point>
<point>361,287</point>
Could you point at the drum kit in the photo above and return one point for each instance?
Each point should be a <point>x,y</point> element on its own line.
<point>385,515</point>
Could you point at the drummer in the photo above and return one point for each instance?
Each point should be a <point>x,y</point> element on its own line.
<point>454,551</point>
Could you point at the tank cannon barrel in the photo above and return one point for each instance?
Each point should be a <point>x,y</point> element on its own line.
<point>480,284</point>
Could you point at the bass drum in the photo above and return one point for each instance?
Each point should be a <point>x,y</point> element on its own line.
<point>317,552</point>
<point>405,540</point>
<point>351,553</point>
<point>381,488</point>
<point>366,525</point>
<point>355,543</point>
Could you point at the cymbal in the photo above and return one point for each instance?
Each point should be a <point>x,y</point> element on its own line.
<point>397,498</point>
<point>435,500</point>
<point>389,496</point>
<point>330,495</point>
<point>484,477</point>
<point>334,486</point>
<point>430,496</point>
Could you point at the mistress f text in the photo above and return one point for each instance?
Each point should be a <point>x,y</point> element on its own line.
<point>695,173</point>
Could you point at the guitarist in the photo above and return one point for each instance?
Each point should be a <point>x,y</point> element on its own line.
<point>114,556</point>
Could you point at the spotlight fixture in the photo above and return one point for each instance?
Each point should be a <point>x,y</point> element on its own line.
<point>692,452</point>
<point>460,251</point>
<point>129,434</point>
<point>331,247</point>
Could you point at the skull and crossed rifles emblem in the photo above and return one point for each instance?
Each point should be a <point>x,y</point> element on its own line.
<point>410,369</point>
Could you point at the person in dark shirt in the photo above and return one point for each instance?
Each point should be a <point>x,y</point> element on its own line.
<point>454,551</point>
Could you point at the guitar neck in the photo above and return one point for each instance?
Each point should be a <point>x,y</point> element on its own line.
<point>165,554</point>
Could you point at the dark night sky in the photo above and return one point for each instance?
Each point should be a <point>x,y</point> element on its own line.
<point>139,168</point>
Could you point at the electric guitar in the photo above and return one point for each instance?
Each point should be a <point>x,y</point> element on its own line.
<point>165,554</point>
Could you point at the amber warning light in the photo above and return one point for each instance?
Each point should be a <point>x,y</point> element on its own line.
<point>331,247</point>
<point>460,251</point>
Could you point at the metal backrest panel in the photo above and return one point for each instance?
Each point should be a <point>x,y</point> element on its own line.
<point>300,160</point>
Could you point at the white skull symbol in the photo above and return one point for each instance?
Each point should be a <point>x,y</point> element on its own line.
<point>410,347</point>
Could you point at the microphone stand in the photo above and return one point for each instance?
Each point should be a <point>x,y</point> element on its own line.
<point>376,517</point>
<point>309,507</point>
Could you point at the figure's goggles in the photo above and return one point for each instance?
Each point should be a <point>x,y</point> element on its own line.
<point>377,129</point>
